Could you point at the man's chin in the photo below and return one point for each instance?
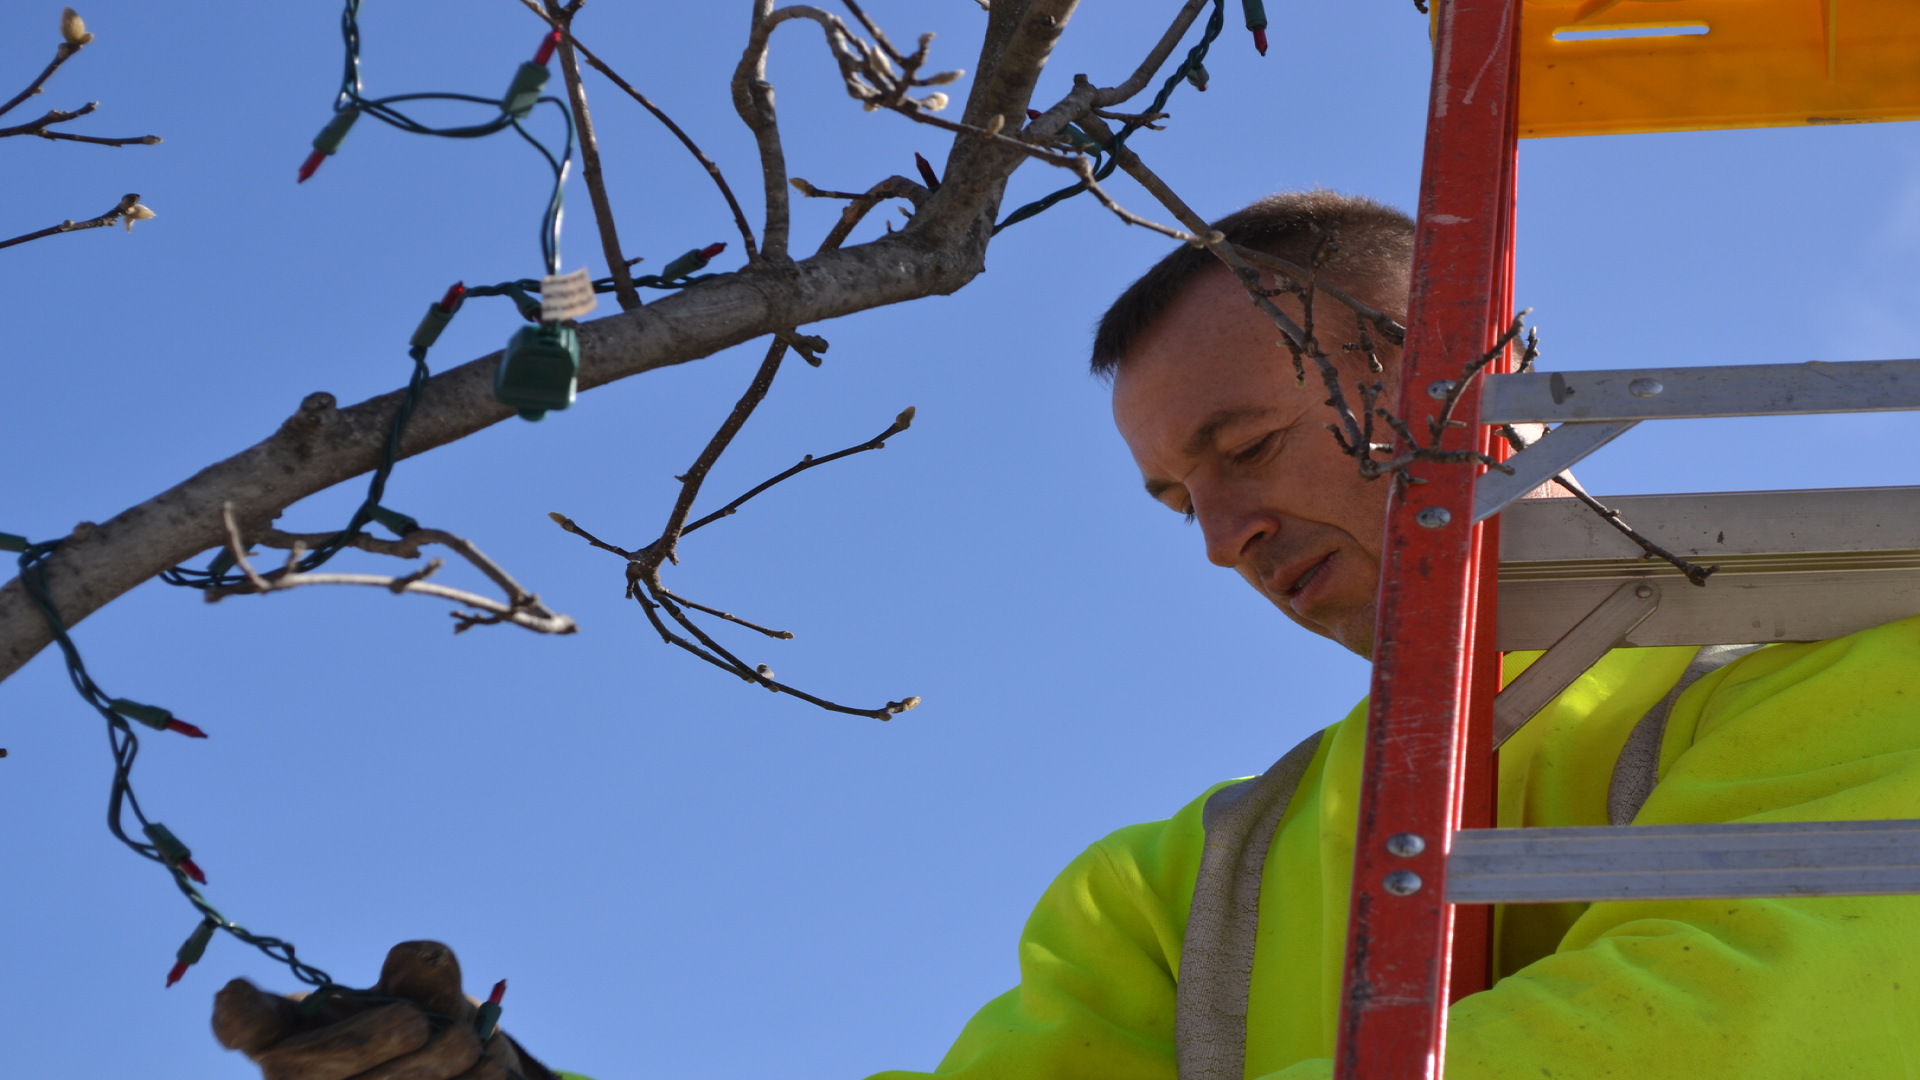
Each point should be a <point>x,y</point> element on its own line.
<point>1351,630</point>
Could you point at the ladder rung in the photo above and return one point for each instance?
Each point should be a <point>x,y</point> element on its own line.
<point>1687,392</point>
<point>1794,565</point>
<point>1677,862</point>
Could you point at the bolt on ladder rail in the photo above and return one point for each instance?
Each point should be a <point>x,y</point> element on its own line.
<point>1428,862</point>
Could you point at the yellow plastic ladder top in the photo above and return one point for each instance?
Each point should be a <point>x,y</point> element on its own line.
<point>1760,63</point>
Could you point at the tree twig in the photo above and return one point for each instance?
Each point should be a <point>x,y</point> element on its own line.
<point>753,100</point>
<point>60,56</point>
<point>61,116</point>
<point>713,170</point>
<point>858,206</point>
<point>879,442</point>
<point>623,290</point>
<point>522,608</point>
<point>127,203</point>
<point>1694,572</point>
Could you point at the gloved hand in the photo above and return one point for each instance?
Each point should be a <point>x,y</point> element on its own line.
<point>419,1026</point>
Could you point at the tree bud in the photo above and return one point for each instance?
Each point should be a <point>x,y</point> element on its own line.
<point>73,29</point>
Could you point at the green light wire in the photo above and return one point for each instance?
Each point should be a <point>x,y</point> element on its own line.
<point>126,747</point>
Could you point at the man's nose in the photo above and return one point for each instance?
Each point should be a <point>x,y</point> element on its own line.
<point>1233,526</point>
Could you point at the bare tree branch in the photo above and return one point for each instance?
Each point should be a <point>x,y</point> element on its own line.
<point>60,116</point>
<point>126,207</point>
<point>623,290</point>
<point>753,100</point>
<point>522,608</point>
<point>60,56</point>
<point>713,170</point>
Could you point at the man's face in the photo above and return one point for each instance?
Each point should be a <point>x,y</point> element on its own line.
<point>1207,403</point>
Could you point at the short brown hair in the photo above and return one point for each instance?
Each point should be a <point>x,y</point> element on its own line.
<point>1376,253</point>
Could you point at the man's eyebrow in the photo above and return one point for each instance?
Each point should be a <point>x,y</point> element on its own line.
<point>1204,435</point>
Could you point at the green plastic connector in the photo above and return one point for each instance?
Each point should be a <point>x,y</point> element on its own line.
<point>330,137</point>
<point>685,264</point>
<point>400,523</point>
<point>1256,13</point>
<point>196,946</point>
<point>171,849</point>
<point>431,324</point>
<point>487,1021</point>
<point>539,371</point>
<point>153,716</point>
<point>221,563</point>
<point>10,542</point>
<point>525,91</point>
<point>1082,141</point>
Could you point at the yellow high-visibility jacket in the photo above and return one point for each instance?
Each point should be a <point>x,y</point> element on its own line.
<point>1756,989</point>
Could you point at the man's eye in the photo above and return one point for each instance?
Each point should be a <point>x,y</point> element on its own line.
<point>1257,450</point>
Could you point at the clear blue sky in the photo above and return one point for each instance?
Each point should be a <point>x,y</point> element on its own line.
<point>683,875</point>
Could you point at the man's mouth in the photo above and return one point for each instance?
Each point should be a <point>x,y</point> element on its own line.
<point>1312,572</point>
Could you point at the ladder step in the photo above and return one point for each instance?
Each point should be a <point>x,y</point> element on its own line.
<point>1688,392</point>
<point>1679,862</point>
<point>1794,565</point>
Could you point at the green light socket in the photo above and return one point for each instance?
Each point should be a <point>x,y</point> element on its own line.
<point>525,91</point>
<point>539,371</point>
<point>335,133</point>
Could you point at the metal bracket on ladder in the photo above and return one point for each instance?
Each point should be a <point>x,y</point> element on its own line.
<point>1570,657</point>
<point>1554,454</point>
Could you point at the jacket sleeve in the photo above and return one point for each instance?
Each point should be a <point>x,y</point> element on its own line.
<point>1098,958</point>
<point>1772,988</point>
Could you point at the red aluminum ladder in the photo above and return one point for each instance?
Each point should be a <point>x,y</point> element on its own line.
<point>1430,766</point>
<point>1429,759</point>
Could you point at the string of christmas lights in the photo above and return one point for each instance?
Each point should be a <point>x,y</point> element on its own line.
<point>150,839</point>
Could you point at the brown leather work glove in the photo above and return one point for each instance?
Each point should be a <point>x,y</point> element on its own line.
<point>428,1033</point>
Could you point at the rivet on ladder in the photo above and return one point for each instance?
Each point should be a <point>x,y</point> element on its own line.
<point>1433,517</point>
<point>1645,387</point>
<point>1406,844</point>
<point>1403,883</point>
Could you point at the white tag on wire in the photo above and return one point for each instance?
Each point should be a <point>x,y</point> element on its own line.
<point>566,296</point>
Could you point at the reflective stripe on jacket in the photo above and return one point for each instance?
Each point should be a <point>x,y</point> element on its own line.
<point>1756,989</point>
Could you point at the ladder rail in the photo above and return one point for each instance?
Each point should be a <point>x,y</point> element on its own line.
<point>1400,926</point>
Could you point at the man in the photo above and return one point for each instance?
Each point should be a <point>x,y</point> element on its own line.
<point>1209,945</point>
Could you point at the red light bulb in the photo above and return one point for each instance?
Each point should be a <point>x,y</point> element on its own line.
<point>308,167</point>
<point>547,45</point>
